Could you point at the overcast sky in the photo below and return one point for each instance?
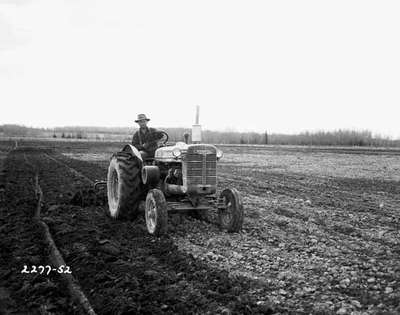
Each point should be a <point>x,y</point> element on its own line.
<point>281,66</point>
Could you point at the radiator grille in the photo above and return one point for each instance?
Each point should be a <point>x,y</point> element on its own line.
<point>201,165</point>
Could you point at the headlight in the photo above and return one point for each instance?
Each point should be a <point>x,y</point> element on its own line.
<point>220,154</point>
<point>176,152</point>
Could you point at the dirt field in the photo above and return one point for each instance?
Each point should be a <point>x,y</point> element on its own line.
<point>321,235</point>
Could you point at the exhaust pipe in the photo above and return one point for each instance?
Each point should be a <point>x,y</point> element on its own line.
<point>196,128</point>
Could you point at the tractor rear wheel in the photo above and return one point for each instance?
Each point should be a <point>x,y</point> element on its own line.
<point>156,212</point>
<point>230,215</point>
<point>124,185</point>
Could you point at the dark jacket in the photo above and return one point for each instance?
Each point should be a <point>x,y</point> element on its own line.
<point>145,140</point>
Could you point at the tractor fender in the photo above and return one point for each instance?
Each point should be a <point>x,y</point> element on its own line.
<point>132,150</point>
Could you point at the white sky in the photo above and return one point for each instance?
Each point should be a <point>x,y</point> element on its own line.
<point>281,66</point>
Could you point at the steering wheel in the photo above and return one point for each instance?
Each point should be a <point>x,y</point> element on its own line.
<point>159,137</point>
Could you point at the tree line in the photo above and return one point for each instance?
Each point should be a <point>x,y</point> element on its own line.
<point>325,138</point>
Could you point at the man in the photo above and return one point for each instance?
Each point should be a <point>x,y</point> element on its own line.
<point>145,139</point>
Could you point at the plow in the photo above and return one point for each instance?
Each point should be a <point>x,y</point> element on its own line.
<point>93,195</point>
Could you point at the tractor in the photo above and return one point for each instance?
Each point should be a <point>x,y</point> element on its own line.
<point>180,177</point>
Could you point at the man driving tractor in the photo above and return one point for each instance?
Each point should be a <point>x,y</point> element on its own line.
<point>146,138</point>
<point>153,176</point>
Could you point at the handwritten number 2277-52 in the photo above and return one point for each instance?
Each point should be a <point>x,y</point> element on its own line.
<point>46,269</point>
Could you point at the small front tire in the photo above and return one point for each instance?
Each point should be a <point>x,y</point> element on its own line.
<point>230,215</point>
<point>156,213</point>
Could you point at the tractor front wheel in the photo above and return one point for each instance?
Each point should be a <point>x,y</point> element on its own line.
<point>156,212</point>
<point>230,210</point>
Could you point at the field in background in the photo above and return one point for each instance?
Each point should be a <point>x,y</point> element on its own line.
<point>321,233</point>
<point>354,162</point>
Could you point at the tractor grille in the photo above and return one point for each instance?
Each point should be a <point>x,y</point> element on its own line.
<point>201,165</point>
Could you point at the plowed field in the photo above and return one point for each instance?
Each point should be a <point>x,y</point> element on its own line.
<point>321,235</point>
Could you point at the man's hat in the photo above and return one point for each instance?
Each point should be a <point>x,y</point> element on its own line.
<point>141,117</point>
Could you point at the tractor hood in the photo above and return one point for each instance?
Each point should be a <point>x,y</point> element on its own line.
<point>176,152</point>
<point>171,153</point>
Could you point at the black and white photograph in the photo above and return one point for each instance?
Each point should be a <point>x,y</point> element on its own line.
<point>199,157</point>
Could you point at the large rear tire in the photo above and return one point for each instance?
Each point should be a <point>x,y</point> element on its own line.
<point>156,213</point>
<point>124,186</point>
<point>230,215</point>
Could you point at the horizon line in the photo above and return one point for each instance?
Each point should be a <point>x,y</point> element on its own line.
<point>227,129</point>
